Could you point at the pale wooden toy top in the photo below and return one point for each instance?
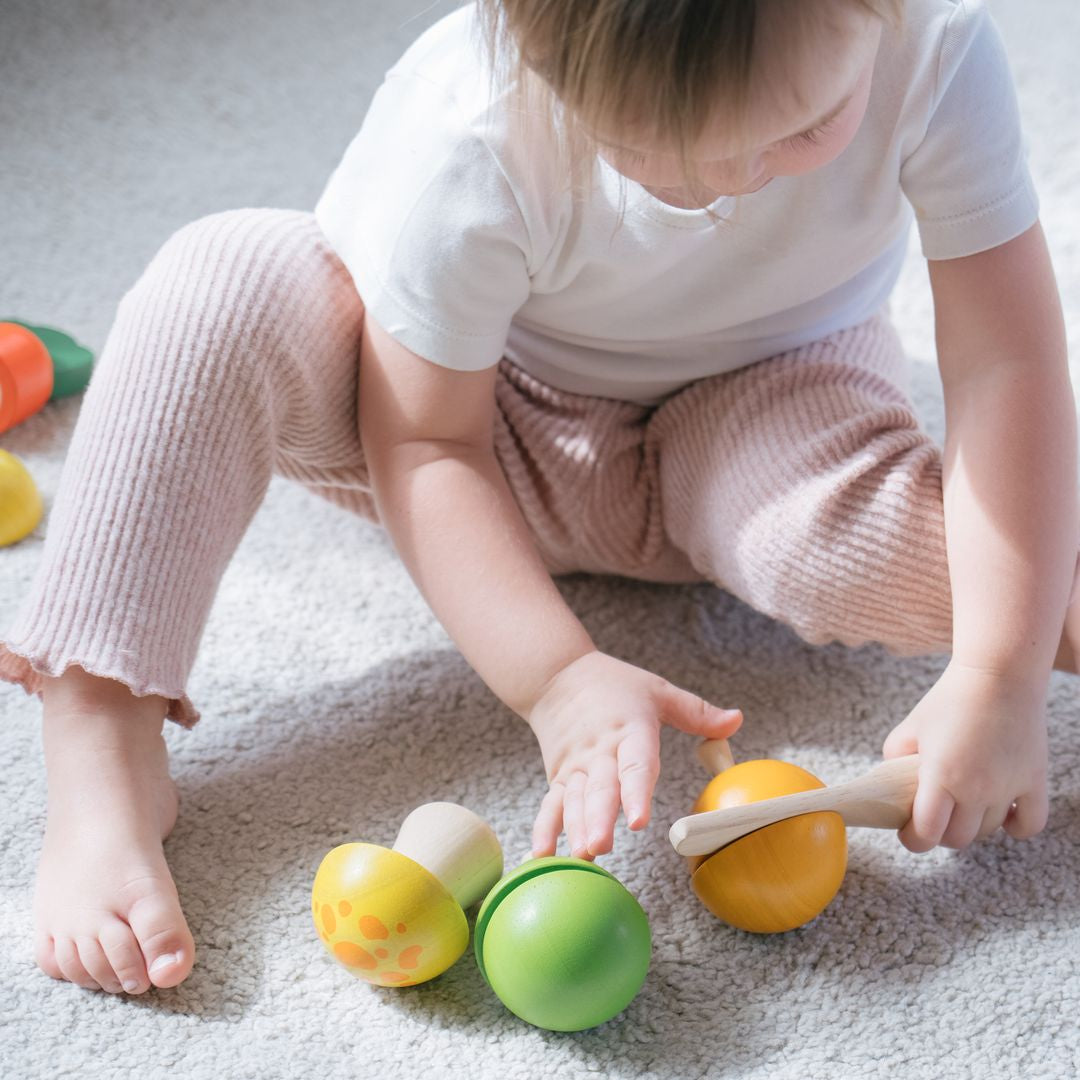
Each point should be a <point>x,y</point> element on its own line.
<point>456,845</point>
<point>880,799</point>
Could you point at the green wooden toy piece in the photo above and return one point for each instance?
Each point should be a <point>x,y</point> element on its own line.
<point>562,943</point>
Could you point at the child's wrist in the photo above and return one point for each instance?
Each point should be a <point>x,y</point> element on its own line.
<point>1024,682</point>
<point>537,689</point>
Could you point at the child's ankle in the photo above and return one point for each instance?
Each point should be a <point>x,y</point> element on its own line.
<point>78,693</point>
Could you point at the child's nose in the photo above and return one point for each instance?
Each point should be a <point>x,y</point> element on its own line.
<point>742,174</point>
<point>754,168</point>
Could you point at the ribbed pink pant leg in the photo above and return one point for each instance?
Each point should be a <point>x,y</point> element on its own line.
<point>804,485</point>
<point>231,358</point>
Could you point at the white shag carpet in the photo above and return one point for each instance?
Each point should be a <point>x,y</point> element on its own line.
<point>334,703</point>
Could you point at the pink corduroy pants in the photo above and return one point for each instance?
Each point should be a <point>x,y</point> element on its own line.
<point>802,484</point>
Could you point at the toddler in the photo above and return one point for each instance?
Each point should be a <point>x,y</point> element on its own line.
<point>600,285</point>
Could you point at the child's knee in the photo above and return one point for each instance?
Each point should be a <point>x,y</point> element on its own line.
<point>858,556</point>
<point>238,290</point>
<point>907,619</point>
<point>271,265</point>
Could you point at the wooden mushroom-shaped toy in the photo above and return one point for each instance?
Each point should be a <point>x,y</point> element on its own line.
<point>778,877</point>
<point>396,916</point>
<point>766,843</point>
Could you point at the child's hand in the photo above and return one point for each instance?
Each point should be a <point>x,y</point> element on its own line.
<point>598,723</point>
<point>981,737</point>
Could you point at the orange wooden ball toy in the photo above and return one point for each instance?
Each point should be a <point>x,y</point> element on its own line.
<point>781,876</point>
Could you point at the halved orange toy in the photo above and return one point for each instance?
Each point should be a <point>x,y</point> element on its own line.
<point>781,876</point>
<point>26,374</point>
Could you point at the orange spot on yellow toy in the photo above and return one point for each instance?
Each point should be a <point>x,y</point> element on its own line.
<point>402,928</point>
<point>373,928</point>
<point>344,908</point>
<point>353,956</point>
<point>382,954</point>
<point>395,978</point>
<point>328,918</point>
<point>410,957</point>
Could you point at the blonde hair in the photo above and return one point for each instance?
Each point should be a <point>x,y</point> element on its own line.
<point>660,68</point>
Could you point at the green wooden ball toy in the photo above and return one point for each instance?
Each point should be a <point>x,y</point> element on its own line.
<point>562,943</point>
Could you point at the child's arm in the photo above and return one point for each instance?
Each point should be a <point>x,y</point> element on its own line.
<point>427,437</point>
<point>1011,522</point>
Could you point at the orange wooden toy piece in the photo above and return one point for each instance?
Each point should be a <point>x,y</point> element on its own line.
<point>26,374</point>
<point>781,876</point>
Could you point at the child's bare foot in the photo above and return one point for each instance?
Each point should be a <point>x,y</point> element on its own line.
<point>106,911</point>
<point>1069,650</point>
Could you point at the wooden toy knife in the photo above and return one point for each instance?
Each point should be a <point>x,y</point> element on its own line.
<point>880,799</point>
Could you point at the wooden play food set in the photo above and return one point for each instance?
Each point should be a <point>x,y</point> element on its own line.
<point>395,916</point>
<point>766,842</point>
<point>563,943</point>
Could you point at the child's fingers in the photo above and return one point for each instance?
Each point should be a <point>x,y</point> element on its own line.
<point>930,814</point>
<point>1028,815</point>
<point>638,761</point>
<point>992,820</point>
<point>901,742</point>
<point>696,716</point>
<point>601,804</point>
<point>574,816</point>
<point>963,827</point>
<point>549,821</point>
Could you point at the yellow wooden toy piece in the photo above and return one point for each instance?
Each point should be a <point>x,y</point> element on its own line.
<point>20,502</point>
<point>395,916</point>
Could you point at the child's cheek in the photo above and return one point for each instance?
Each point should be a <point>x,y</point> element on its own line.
<point>652,172</point>
<point>798,162</point>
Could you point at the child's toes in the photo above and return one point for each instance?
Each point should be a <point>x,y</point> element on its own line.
<point>167,945</point>
<point>124,956</point>
<point>71,966</point>
<point>97,965</point>
<point>45,956</point>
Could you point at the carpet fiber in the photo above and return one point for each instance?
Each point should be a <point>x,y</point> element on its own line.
<point>333,703</point>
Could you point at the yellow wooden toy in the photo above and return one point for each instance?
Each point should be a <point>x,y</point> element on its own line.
<point>395,917</point>
<point>20,503</point>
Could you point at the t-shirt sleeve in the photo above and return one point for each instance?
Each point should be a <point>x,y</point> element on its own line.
<point>968,179</point>
<point>424,219</point>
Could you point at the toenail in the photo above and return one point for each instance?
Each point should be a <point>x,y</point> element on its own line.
<point>130,985</point>
<point>163,962</point>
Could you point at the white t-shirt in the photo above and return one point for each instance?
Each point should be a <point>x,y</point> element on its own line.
<point>466,245</point>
